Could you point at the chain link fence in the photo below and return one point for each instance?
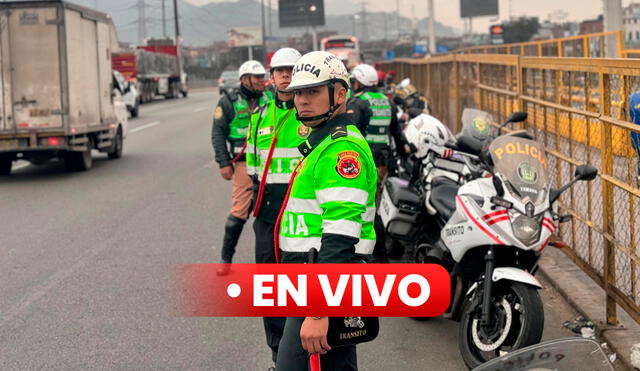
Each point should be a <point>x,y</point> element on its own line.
<point>579,109</point>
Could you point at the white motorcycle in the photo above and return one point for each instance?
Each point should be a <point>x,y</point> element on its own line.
<point>408,209</point>
<point>491,243</point>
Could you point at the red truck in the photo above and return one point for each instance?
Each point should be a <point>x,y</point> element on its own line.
<point>154,69</point>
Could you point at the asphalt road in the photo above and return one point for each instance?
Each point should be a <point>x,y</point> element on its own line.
<point>86,262</point>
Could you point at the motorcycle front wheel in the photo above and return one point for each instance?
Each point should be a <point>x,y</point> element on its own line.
<point>517,321</point>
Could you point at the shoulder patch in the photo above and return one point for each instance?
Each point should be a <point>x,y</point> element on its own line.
<point>218,113</point>
<point>349,165</point>
<point>338,131</point>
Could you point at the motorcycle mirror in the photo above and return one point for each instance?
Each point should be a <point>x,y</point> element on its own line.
<point>518,117</point>
<point>586,172</point>
<point>414,112</point>
<point>497,183</point>
<point>398,100</point>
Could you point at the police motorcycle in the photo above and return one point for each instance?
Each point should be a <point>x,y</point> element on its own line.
<point>496,231</point>
<point>439,162</point>
<point>566,354</point>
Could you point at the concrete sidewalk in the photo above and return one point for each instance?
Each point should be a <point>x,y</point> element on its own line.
<point>588,299</point>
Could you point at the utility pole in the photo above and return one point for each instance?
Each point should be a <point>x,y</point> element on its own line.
<point>432,29</point>
<point>269,17</point>
<point>612,22</point>
<point>142,22</point>
<point>264,44</point>
<point>398,16</point>
<point>385,27</point>
<point>164,20</point>
<point>365,30</point>
<point>178,43</point>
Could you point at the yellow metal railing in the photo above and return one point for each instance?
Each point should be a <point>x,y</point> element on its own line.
<point>578,108</point>
<point>587,46</point>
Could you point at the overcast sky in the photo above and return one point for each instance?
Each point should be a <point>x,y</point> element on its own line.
<point>448,11</point>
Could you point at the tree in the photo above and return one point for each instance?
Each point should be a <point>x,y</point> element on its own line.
<point>520,30</point>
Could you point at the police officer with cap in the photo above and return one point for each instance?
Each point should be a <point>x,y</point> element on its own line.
<point>331,201</point>
<point>376,117</point>
<point>272,155</point>
<point>228,136</point>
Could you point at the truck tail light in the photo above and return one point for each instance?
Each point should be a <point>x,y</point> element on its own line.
<point>54,141</point>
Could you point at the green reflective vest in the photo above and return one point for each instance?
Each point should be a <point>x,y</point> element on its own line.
<point>264,125</point>
<point>378,128</point>
<point>239,126</point>
<point>333,192</point>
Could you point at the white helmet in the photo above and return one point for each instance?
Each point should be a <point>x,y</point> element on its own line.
<point>365,74</point>
<point>251,68</point>
<point>285,57</point>
<point>318,68</point>
<point>426,132</point>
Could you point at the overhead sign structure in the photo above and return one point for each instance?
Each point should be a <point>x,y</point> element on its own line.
<point>300,13</point>
<point>245,36</point>
<point>478,8</point>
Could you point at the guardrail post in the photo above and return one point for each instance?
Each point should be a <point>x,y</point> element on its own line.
<point>585,46</point>
<point>620,35</point>
<point>607,199</point>
<point>456,95</point>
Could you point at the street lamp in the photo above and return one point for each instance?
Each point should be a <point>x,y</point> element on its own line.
<point>354,18</point>
<point>312,9</point>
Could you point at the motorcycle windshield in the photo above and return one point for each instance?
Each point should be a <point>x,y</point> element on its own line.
<point>523,163</point>
<point>476,123</point>
<point>560,354</point>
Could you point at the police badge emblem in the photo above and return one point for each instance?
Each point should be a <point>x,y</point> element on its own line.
<point>349,165</point>
<point>303,131</point>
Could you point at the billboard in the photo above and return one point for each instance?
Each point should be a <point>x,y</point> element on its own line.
<point>245,36</point>
<point>495,33</point>
<point>478,8</point>
<point>300,13</point>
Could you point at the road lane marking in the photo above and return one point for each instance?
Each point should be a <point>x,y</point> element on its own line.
<point>200,109</point>
<point>146,126</point>
<point>49,284</point>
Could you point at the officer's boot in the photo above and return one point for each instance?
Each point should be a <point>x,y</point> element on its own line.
<point>232,230</point>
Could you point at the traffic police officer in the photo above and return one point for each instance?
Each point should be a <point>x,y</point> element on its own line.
<point>376,117</point>
<point>330,204</point>
<point>228,135</point>
<point>272,154</point>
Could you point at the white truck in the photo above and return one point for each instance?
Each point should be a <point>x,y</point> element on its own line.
<point>57,93</point>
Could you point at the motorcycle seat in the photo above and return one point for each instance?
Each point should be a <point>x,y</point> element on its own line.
<point>443,196</point>
<point>399,190</point>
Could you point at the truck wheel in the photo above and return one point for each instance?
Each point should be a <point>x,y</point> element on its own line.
<point>6,161</point>
<point>78,161</point>
<point>135,110</point>
<point>116,149</point>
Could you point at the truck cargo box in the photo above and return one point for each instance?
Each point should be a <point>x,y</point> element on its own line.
<point>56,67</point>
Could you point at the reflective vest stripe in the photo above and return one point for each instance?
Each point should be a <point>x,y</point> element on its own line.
<point>342,227</point>
<point>302,205</point>
<point>297,244</point>
<point>378,138</point>
<point>369,215</point>
<point>282,152</point>
<point>309,206</point>
<point>278,178</point>
<point>342,194</point>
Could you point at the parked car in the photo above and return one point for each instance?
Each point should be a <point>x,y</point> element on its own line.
<point>130,94</point>
<point>228,81</point>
